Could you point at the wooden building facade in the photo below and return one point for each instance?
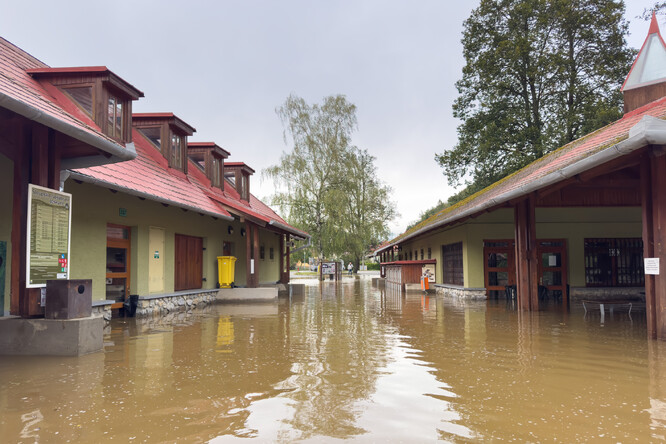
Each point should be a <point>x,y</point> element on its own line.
<point>577,223</point>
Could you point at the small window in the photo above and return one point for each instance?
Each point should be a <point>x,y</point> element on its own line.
<point>244,191</point>
<point>154,134</point>
<point>422,254</point>
<point>83,97</point>
<point>262,253</point>
<point>176,151</point>
<point>429,253</point>
<point>216,174</point>
<point>271,253</point>
<point>115,118</point>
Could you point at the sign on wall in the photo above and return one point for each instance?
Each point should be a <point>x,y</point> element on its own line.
<point>428,270</point>
<point>49,229</point>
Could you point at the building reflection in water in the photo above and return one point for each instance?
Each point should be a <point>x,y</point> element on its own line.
<point>346,361</point>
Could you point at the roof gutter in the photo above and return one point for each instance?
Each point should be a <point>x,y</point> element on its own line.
<point>648,131</point>
<point>116,150</point>
<point>291,230</point>
<point>91,180</point>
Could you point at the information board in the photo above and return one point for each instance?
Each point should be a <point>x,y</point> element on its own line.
<point>428,270</point>
<point>328,268</point>
<point>49,229</point>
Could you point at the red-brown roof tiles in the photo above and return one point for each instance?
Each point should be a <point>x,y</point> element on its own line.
<point>149,175</point>
<point>563,157</point>
<point>17,87</point>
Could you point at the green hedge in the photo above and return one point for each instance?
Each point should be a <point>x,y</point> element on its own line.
<point>372,266</point>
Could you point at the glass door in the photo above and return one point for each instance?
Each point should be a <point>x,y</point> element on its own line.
<point>117,264</point>
<point>499,267</point>
<point>552,256</point>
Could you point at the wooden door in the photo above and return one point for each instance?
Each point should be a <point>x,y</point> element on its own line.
<point>499,266</point>
<point>189,262</point>
<point>117,264</point>
<point>552,269</point>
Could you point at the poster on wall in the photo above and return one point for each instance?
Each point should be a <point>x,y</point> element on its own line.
<point>428,270</point>
<point>49,230</point>
<point>327,268</point>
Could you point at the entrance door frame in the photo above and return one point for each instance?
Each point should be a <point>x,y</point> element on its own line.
<point>510,269</point>
<point>564,265</point>
<point>127,245</point>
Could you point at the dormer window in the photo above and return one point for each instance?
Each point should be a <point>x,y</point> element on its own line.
<point>216,172</point>
<point>115,120</point>
<point>238,174</point>
<point>102,95</point>
<point>177,151</point>
<point>210,158</point>
<point>168,134</point>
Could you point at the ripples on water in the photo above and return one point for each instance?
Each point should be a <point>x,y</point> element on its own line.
<point>348,361</point>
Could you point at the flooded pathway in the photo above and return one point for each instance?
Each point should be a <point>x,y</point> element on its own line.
<point>348,361</point>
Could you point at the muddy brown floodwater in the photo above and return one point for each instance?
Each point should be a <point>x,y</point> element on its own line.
<point>349,361</point>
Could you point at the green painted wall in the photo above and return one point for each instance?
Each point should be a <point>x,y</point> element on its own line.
<point>572,224</point>
<point>269,269</point>
<point>6,202</point>
<point>93,207</point>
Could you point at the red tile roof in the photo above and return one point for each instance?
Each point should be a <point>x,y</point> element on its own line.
<point>546,170</point>
<point>150,176</point>
<point>26,96</point>
<point>230,198</point>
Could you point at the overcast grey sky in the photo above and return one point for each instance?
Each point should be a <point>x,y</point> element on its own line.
<point>224,66</point>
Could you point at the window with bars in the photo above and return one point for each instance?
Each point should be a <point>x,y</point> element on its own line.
<point>452,264</point>
<point>612,262</point>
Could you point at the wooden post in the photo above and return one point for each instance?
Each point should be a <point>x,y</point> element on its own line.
<point>526,264</point>
<point>648,243</point>
<point>288,256</point>
<point>248,254</point>
<point>255,255</point>
<point>659,242</point>
<point>281,249</point>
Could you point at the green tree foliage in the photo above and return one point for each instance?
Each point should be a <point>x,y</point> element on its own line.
<point>326,186</point>
<point>363,206</point>
<point>538,74</point>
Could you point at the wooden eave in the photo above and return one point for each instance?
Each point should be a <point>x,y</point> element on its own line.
<point>157,118</point>
<point>100,72</point>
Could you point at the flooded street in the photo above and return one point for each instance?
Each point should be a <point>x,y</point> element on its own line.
<point>348,361</point>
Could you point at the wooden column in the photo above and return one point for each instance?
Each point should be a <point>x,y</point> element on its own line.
<point>255,255</point>
<point>281,250</point>
<point>526,260</point>
<point>288,256</point>
<point>248,254</point>
<point>36,162</point>
<point>658,173</point>
<point>648,243</point>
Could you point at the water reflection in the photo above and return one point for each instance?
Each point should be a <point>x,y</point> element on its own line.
<point>348,361</point>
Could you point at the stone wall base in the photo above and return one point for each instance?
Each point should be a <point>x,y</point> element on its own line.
<point>163,305</point>
<point>462,293</point>
<point>51,337</point>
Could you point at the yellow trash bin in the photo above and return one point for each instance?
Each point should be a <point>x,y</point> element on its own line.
<point>225,270</point>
